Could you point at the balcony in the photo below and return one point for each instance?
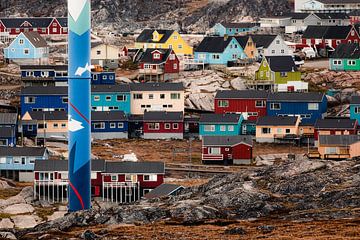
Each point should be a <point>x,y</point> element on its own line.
<point>337,156</point>
<point>314,154</point>
<point>286,136</point>
<point>212,157</point>
<point>152,71</point>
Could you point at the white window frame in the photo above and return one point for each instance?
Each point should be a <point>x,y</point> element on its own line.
<point>214,151</point>
<point>313,106</point>
<point>272,106</point>
<point>209,128</point>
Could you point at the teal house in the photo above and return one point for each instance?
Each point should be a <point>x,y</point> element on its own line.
<point>355,108</point>
<point>219,51</point>
<point>111,98</point>
<point>213,124</point>
<point>346,57</point>
<point>233,29</point>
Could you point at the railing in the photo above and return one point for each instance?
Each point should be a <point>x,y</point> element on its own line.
<point>217,157</point>
<point>121,192</point>
<point>151,71</point>
<point>51,190</point>
<point>337,156</point>
<point>314,154</point>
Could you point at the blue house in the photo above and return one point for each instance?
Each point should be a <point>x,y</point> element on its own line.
<point>309,106</point>
<point>39,98</point>
<point>214,124</point>
<point>355,108</point>
<point>232,29</point>
<point>104,78</point>
<point>8,129</point>
<point>44,75</point>
<point>111,98</point>
<point>109,125</point>
<point>17,160</point>
<point>219,51</point>
<point>27,48</point>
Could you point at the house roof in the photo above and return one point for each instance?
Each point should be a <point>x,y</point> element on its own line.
<point>62,165</point>
<point>146,36</point>
<point>276,121</point>
<point>36,22</point>
<point>281,63</point>
<point>147,56</point>
<point>22,151</point>
<point>296,97</point>
<point>296,15</point>
<point>150,116</point>
<point>48,116</point>
<point>355,100</point>
<point>40,90</point>
<point>354,13</point>
<point>219,118</point>
<point>8,118</point>
<point>214,44</point>
<point>135,167</point>
<point>108,116</point>
<point>63,21</point>
<point>327,32</point>
<point>338,140</point>
<point>241,94</point>
<point>44,67</point>
<point>36,39</point>
<point>239,25</point>
<point>110,88</point>
<point>95,44</point>
<point>227,140</point>
<point>242,40</point>
<point>6,132</point>
<point>163,190</point>
<point>162,86</point>
<point>263,40</point>
<point>332,15</point>
<point>335,123</point>
<point>347,50</point>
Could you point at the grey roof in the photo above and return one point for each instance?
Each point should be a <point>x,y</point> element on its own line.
<point>327,32</point>
<point>355,13</point>
<point>355,100</point>
<point>347,50</point>
<point>6,132</point>
<point>227,140</point>
<point>263,40</point>
<point>214,44</point>
<point>297,15</point>
<point>242,40</point>
<point>147,56</point>
<point>335,123</point>
<point>63,21</point>
<point>241,94</point>
<point>108,116</point>
<point>44,67</point>
<point>40,90</point>
<point>220,118</point>
<point>146,35</point>
<point>296,97</point>
<point>36,22</point>
<point>8,118</point>
<point>281,63</point>
<point>156,116</point>
<point>276,121</point>
<point>62,165</point>
<point>36,39</point>
<point>95,44</point>
<point>156,86</point>
<point>135,167</point>
<point>163,190</point>
<point>332,15</point>
<point>239,25</point>
<point>110,88</point>
<point>338,140</point>
<point>48,116</point>
<point>22,151</point>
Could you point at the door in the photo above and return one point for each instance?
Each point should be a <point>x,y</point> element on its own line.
<point>101,63</point>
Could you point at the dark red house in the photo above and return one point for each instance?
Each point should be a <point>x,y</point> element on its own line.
<point>227,149</point>
<point>335,126</point>
<point>163,125</point>
<point>329,36</point>
<point>247,102</point>
<point>43,25</point>
<point>159,64</point>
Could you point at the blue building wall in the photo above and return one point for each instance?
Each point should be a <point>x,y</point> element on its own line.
<point>231,53</point>
<point>23,165</point>
<point>355,112</point>
<point>107,127</point>
<point>299,108</point>
<point>29,130</point>
<point>19,44</point>
<point>217,132</point>
<point>9,140</point>
<point>220,30</point>
<point>100,103</point>
<point>106,78</point>
<point>43,101</point>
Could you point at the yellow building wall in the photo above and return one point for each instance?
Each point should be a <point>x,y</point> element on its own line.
<point>250,49</point>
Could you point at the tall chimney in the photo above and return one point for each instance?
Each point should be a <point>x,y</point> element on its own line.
<point>79,69</point>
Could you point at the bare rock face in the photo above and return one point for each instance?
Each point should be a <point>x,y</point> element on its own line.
<point>6,223</point>
<point>20,208</point>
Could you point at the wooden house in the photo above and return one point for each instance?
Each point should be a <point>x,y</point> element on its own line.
<point>249,46</point>
<point>335,126</point>
<point>8,129</point>
<point>272,129</point>
<point>44,75</point>
<point>212,124</point>
<point>346,57</point>
<point>109,125</point>
<point>227,149</point>
<point>337,147</point>
<point>355,108</point>
<point>163,125</point>
<point>233,29</point>
<point>271,45</point>
<point>111,98</point>
<point>105,55</point>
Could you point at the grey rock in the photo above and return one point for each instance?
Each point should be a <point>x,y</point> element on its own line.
<point>7,235</point>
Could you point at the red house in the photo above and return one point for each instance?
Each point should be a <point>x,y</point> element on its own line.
<point>227,149</point>
<point>251,103</point>
<point>335,126</point>
<point>158,64</point>
<point>330,36</point>
<point>43,25</point>
<point>163,125</point>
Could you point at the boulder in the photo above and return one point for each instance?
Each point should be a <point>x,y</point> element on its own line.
<point>19,209</point>
<point>24,221</point>
<point>7,235</point>
<point>56,215</point>
<point>6,223</point>
<point>238,83</point>
<point>4,185</point>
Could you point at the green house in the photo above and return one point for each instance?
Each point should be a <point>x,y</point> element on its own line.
<point>346,57</point>
<point>279,73</point>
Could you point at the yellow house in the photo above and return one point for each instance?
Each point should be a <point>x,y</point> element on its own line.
<point>338,147</point>
<point>272,129</point>
<point>150,38</point>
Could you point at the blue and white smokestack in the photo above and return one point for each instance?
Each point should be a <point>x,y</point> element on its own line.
<point>79,71</point>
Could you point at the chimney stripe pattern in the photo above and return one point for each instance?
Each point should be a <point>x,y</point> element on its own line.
<point>79,105</point>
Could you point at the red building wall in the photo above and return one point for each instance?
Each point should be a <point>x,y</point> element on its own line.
<point>333,132</point>
<point>54,27</point>
<point>169,65</point>
<point>162,128</point>
<point>240,151</point>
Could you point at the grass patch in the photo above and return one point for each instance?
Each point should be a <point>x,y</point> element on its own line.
<point>5,215</point>
<point>43,213</point>
<point>9,192</point>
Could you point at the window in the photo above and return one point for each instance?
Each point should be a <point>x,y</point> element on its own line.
<point>279,130</point>
<point>98,52</point>
<point>266,130</point>
<point>223,103</point>
<point>282,51</point>
<point>202,56</point>
<point>2,160</point>
<point>121,98</point>
<point>175,37</point>
<point>112,125</point>
<point>216,56</point>
<point>357,110</point>
<point>287,131</point>
<point>151,96</point>
<point>273,51</point>
<point>96,98</point>
<point>283,74</point>
<point>153,126</point>
<point>104,77</point>
<point>29,99</point>
<point>137,96</point>
<point>275,106</point>
<point>150,178</point>
<point>30,128</point>
<point>130,178</point>
<point>313,106</point>
<point>222,128</point>
<point>23,160</point>
<point>277,41</point>
<point>175,66</point>
<point>100,125</point>
<point>170,46</point>
<point>175,126</point>
<point>156,56</point>
<point>175,95</point>
<point>337,62</point>
<point>230,128</point>
<point>234,56</point>
<point>16,160</point>
<point>65,99</point>
<point>209,128</point>
<point>108,98</point>
<point>260,104</point>
<point>55,125</point>
<point>179,46</point>
<point>63,125</point>
<point>114,178</point>
<point>42,125</point>
<point>21,41</point>
<point>146,191</point>
<point>120,125</point>
<point>167,125</point>
<point>26,51</point>
<point>172,56</point>
<point>162,96</point>
<point>147,66</point>
<point>351,62</point>
<point>214,151</point>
